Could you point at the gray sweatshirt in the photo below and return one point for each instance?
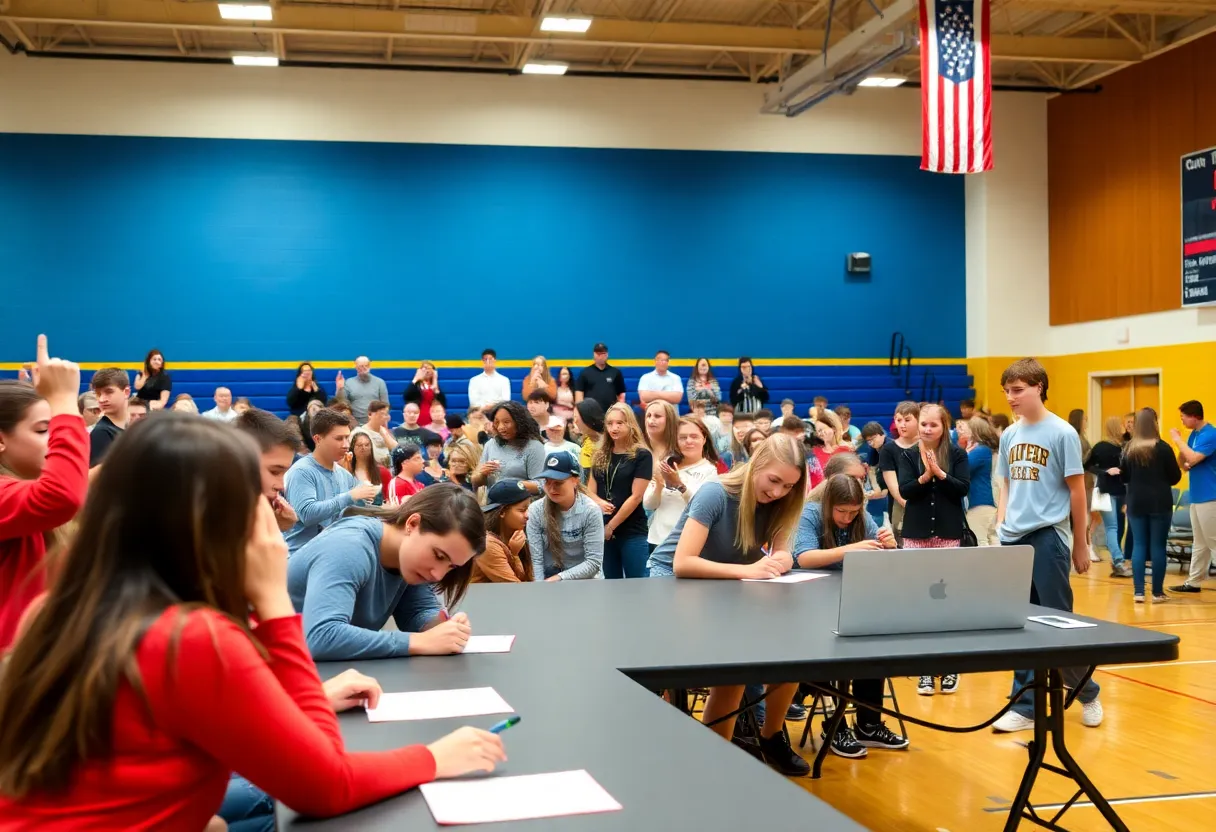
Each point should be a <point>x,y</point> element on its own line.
<point>582,541</point>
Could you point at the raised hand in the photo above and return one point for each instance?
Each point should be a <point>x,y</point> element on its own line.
<point>56,380</point>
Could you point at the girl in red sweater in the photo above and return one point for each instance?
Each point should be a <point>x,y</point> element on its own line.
<point>44,468</point>
<point>139,685</point>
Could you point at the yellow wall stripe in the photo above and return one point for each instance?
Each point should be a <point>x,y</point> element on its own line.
<point>573,363</point>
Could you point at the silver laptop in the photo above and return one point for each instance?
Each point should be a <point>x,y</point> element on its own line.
<point>897,591</point>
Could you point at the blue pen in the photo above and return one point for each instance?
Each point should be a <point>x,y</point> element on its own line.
<point>505,724</point>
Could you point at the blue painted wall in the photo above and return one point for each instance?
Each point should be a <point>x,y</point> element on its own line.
<point>241,250</point>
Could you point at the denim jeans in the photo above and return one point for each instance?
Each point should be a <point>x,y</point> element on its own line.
<point>1112,521</point>
<point>625,557</point>
<point>246,808</point>
<point>750,694</point>
<point>1049,587</point>
<point>658,570</point>
<point>1150,533</point>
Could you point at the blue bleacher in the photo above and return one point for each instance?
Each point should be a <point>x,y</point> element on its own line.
<point>871,391</point>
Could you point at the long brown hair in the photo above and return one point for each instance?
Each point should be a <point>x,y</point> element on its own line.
<point>671,419</point>
<point>442,508</point>
<point>708,451</point>
<point>149,372</point>
<point>494,527</point>
<point>553,525</point>
<point>373,467</point>
<point>167,523</point>
<point>1145,436</point>
<point>783,515</point>
<point>842,490</point>
<point>1112,430</point>
<point>983,432</point>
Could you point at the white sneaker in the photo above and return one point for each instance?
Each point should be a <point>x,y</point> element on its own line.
<point>1013,721</point>
<point>1093,556</point>
<point>1091,714</point>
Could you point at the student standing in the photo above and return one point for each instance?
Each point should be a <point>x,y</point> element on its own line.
<point>112,389</point>
<point>934,487</point>
<point>555,439</point>
<point>747,392</point>
<point>408,463</point>
<point>703,387</point>
<point>410,431</point>
<point>506,558</point>
<point>432,469</point>
<point>363,466</point>
<point>679,477</point>
<point>376,429</point>
<point>44,468</point>
<point>563,403</point>
<point>589,421</point>
<point>463,459</point>
<point>153,383</point>
<point>565,530</point>
<point>163,687</point>
<point>1103,461</point>
<point>305,390</point>
<point>878,502</point>
<point>488,386</point>
<point>539,378</point>
<point>743,527</point>
<point>907,431</point>
<point>600,381</point>
<point>1042,505</point>
<point>424,391</point>
<point>981,443</point>
<point>318,487</point>
<point>828,530</point>
<point>1149,469</point>
<point>660,421</point>
<point>621,468</point>
<point>1198,457</point>
<point>661,384</point>
<point>391,561</point>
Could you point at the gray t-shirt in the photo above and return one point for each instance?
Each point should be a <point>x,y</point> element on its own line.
<point>810,533</point>
<point>1036,458</point>
<point>521,463</point>
<point>582,541</point>
<point>361,393</point>
<point>717,511</point>
<point>346,596</point>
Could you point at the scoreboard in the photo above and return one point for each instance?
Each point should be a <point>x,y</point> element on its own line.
<point>1199,228</point>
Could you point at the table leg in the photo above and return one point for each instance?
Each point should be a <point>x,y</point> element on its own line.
<point>829,730</point>
<point>1049,719</point>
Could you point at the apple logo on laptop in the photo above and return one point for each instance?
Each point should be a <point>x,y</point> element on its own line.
<point>937,591</point>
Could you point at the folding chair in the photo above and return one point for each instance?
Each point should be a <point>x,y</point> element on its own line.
<point>819,705</point>
<point>1181,537</point>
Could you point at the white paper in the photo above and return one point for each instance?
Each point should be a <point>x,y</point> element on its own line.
<point>790,578</point>
<point>1059,622</point>
<point>438,704</point>
<point>497,799</point>
<point>489,644</point>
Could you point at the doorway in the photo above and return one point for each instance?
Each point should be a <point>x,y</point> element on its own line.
<point>1121,392</point>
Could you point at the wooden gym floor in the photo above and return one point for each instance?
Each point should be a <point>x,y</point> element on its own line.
<point>1154,747</point>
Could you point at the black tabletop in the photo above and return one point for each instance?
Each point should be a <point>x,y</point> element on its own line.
<point>586,652</point>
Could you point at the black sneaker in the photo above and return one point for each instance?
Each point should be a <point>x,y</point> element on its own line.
<point>796,713</point>
<point>844,744</point>
<point>879,736</point>
<point>779,755</point>
<point>950,683</point>
<point>1185,588</point>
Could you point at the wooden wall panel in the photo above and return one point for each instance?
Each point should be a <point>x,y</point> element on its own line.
<point>1113,184</point>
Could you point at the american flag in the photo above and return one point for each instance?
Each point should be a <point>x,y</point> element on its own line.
<point>956,86</point>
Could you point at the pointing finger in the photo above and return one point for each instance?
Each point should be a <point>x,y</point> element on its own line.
<point>43,354</point>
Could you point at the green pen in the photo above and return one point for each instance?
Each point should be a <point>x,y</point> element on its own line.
<point>505,724</point>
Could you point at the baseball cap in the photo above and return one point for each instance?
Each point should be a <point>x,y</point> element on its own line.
<point>505,492</point>
<point>600,347</point>
<point>559,465</point>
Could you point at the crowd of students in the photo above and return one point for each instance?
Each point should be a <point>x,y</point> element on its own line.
<point>176,618</point>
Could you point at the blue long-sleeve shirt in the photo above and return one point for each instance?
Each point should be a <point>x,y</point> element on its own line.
<point>319,497</point>
<point>346,596</point>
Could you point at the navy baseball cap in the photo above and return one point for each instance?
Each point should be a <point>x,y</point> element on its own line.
<point>505,492</point>
<point>559,465</point>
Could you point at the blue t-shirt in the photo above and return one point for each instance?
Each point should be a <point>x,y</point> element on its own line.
<point>319,495</point>
<point>1203,475</point>
<point>1036,458</point>
<point>979,460</point>
<point>336,581</point>
<point>810,533</point>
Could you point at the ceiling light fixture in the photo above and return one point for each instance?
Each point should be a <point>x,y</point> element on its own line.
<point>576,25</point>
<point>246,11</point>
<point>545,68</point>
<point>883,81</point>
<point>254,59</point>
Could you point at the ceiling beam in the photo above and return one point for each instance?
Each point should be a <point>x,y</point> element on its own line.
<point>1192,31</point>
<point>1179,8</point>
<point>356,22</point>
